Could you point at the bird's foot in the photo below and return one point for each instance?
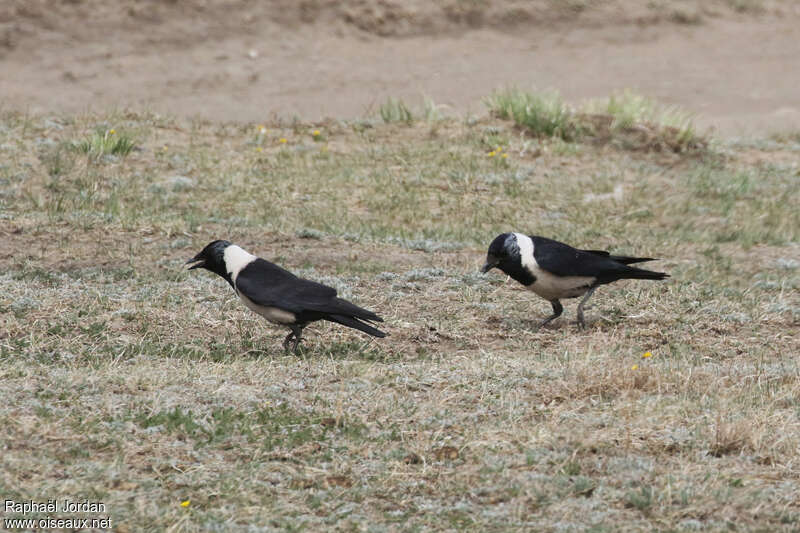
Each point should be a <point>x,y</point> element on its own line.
<point>293,338</point>
<point>544,322</point>
<point>296,344</point>
<point>288,340</point>
<point>557,310</point>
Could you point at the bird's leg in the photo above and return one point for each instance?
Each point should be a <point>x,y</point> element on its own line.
<point>557,310</point>
<point>287,340</point>
<point>298,332</point>
<point>589,293</point>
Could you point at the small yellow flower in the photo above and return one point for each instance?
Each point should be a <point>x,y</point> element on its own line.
<point>283,140</point>
<point>498,149</point>
<point>165,148</point>
<point>647,355</point>
<point>505,156</point>
<point>112,132</point>
<point>259,149</point>
<point>315,133</point>
<point>635,367</point>
<point>186,503</point>
<point>492,153</point>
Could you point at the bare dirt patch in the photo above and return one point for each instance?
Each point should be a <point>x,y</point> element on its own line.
<point>730,62</point>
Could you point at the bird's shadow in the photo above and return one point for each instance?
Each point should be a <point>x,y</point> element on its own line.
<point>340,350</point>
<point>534,325</point>
<point>349,349</point>
<point>261,353</point>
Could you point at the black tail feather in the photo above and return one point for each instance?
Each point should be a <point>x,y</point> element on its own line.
<point>625,260</point>
<point>355,323</point>
<point>640,273</point>
<point>342,307</point>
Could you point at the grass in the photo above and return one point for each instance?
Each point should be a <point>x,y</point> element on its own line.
<point>747,6</point>
<point>395,110</point>
<point>103,142</point>
<point>543,114</point>
<point>626,119</point>
<point>129,380</point>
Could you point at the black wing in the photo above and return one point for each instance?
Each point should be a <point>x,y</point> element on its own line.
<point>624,259</point>
<point>269,285</point>
<point>564,260</point>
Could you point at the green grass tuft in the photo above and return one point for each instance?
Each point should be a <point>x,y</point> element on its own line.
<point>543,114</point>
<point>629,111</point>
<point>105,142</point>
<point>626,119</point>
<point>395,110</point>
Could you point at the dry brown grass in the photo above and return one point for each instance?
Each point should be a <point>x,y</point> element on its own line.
<point>132,382</point>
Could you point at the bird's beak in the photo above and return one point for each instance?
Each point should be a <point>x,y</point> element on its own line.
<point>490,264</point>
<point>199,261</point>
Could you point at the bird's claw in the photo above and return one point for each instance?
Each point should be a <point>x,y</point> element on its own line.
<point>294,339</point>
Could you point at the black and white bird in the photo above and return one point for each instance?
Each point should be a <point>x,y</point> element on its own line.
<point>555,270</point>
<point>280,296</point>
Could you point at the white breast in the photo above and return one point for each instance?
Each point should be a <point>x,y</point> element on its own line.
<point>547,285</point>
<point>553,287</point>
<point>273,314</point>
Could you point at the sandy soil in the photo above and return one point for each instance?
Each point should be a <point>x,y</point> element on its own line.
<point>734,63</point>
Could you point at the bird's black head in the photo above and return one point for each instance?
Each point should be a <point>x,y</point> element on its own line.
<point>503,253</point>
<point>212,258</point>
